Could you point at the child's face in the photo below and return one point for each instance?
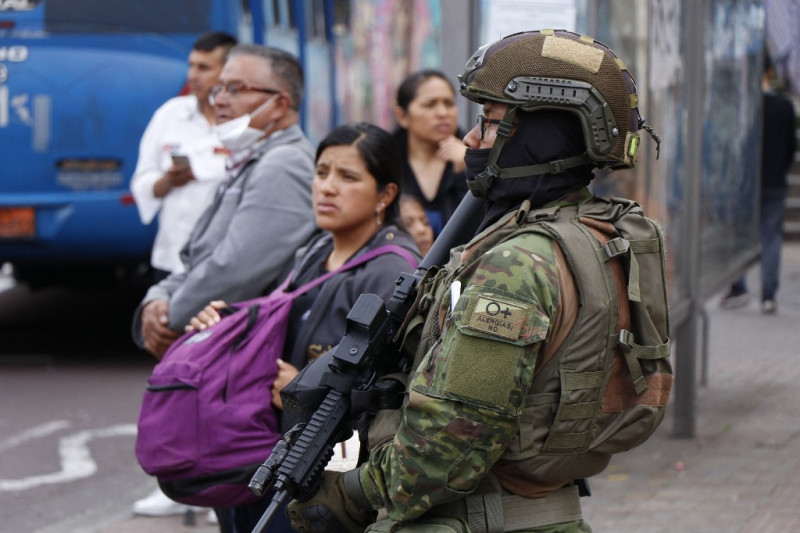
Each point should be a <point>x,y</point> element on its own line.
<point>416,223</point>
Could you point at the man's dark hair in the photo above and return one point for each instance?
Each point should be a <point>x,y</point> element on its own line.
<point>282,63</point>
<point>213,39</point>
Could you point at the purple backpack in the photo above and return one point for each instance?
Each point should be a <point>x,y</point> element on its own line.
<point>206,422</point>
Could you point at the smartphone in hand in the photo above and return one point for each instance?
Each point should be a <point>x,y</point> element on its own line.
<point>180,160</point>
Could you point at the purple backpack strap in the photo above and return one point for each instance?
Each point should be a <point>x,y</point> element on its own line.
<point>360,260</point>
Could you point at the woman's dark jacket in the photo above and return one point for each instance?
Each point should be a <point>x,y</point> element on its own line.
<point>317,322</point>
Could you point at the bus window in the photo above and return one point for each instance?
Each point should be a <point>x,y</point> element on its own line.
<point>149,16</point>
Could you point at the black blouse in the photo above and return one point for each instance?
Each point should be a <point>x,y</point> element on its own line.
<point>451,191</point>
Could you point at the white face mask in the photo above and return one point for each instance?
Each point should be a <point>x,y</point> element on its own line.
<point>236,134</point>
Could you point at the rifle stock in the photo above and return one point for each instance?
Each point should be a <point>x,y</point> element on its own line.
<point>369,349</point>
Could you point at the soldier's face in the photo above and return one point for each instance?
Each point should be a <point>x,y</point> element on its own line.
<point>491,110</point>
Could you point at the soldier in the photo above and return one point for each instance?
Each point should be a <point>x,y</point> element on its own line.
<point>515,326</point>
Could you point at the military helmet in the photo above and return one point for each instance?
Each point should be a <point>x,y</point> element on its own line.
<point>561,70</point>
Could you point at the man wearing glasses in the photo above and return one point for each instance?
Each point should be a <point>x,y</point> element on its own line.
<point>260,215</point>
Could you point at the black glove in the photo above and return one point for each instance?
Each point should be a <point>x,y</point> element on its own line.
<point>333,509</point>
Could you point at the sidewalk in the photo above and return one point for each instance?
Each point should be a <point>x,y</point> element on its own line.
<point>741,472</point>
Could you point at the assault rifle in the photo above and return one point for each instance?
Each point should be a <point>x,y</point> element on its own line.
<point>321,393</point>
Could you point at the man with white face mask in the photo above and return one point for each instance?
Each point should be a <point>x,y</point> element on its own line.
<point>261,214</point>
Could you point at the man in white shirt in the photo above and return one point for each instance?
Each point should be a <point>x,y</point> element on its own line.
<point>180,191</point>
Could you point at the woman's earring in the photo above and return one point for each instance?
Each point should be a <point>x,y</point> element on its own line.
<point>378,213</point>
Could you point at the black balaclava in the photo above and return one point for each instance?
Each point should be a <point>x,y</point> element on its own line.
<point>539,137</point>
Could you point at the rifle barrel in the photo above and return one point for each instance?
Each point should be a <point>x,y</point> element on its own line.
<point>276,503</point>
<point>459,230</point>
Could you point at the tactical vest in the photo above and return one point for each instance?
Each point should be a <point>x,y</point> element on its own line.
<point>605,390</point>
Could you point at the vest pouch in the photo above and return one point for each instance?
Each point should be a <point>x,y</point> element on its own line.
<point>535,421</point>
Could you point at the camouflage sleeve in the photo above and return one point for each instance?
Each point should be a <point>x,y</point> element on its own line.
<point>469,390</point>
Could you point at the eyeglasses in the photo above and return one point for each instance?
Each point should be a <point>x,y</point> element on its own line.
<point>235,87</point>
<point>483,121</point>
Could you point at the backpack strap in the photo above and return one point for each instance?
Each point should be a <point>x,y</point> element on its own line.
<point>633,352</point>
<point>621,246</point>
<point>360,260</point>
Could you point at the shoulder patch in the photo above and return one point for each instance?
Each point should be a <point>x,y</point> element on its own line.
<point>496,316</point>
<point>489,312</point>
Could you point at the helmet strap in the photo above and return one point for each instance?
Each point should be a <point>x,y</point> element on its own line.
<point>479,186</point>
<point>553,167</point>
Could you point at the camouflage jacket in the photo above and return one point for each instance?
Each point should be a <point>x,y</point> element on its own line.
<point>468,392</point>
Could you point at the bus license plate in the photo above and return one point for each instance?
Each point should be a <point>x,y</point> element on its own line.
<point>17,223</point>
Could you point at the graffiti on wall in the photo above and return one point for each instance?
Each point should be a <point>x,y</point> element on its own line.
<point>382,42</point>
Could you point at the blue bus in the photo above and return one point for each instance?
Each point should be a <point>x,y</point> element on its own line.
<point>80,80</point>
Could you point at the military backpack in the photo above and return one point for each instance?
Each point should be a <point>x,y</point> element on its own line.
<point>594,404</point>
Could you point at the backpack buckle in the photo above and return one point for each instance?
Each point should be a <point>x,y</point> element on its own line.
<point>480,184</point>
<point>625,340</point>
<point>617,246</point>
<point>538,215</point>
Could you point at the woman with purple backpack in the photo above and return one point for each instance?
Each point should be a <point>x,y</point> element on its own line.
<point>355,199</point>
